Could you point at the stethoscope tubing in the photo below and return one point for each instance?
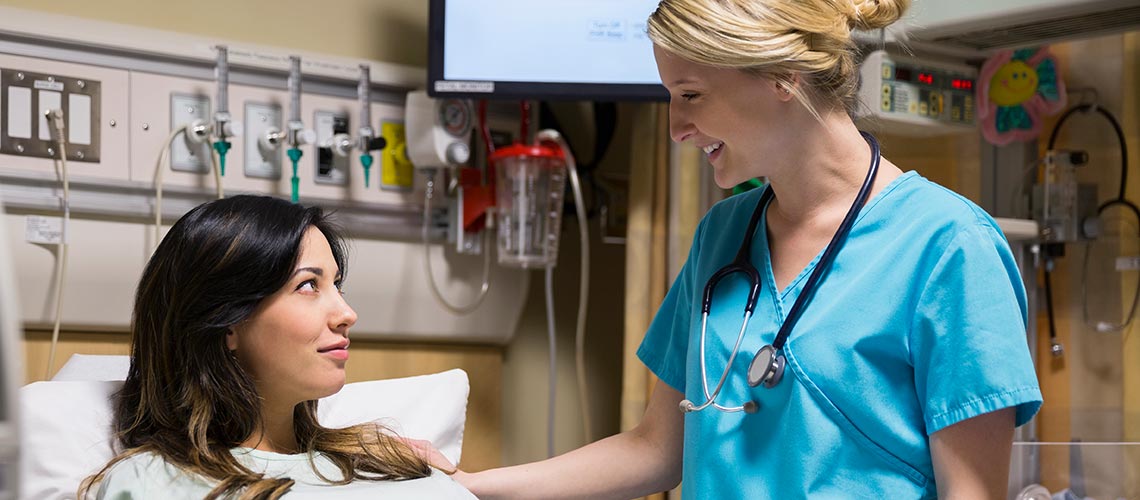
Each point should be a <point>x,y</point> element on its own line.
<point>833,246</point>
<point>742,264</point>
<point>710,399</point>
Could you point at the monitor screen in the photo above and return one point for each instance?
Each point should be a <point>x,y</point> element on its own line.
<point>542,49</point>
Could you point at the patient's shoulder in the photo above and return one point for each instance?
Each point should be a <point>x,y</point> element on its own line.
<point>148,475</point>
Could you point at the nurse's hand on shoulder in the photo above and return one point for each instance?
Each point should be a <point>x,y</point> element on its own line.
<point>434,458</point>
<point>971,457</point>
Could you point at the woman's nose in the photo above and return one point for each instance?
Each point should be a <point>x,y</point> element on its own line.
<point>680,127</point>
<point>343,318</point>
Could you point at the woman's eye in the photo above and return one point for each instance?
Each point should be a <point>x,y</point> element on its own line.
<point>308,286</point>
<point>688,97</point>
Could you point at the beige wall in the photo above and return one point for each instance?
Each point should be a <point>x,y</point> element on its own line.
<point>392,31</point>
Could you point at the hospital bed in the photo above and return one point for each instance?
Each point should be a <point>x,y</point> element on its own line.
<point>66,432</point>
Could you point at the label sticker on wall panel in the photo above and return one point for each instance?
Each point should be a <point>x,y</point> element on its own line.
<point>1128,263</point>
<point>396,171</point>
<point>49,85</point>
<point>43,230</point>
<point>25,96</point>
<point>331,168</point>
<point>263,140</point>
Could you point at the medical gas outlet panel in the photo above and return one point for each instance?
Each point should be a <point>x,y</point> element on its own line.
<point>118,121</point>
<point>909,96</point>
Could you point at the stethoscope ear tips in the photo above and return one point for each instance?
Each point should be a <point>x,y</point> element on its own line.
<point>751,407</point>
<point>687,406</point>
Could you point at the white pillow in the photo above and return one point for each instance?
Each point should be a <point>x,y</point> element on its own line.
<point>66,431</point>
<point>94,367</point>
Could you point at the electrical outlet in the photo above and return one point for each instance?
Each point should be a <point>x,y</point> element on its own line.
<point>331,169</point>
<point>396,171</point>
<point>185,155</point>
<point>262,159</point>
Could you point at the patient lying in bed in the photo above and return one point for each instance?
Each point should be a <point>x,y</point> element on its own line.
<point>239,328</point>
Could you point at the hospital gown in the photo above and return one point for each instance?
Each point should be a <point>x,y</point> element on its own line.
<point>147,475</point>
<point>920,323</point>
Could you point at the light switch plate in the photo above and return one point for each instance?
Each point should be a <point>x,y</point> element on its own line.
<point>25,130</point>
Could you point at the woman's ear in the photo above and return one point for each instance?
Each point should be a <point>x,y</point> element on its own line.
<point>784,87</point>
<point>232,339</point>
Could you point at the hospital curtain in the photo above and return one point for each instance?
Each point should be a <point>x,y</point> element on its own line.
<point>665,205</point>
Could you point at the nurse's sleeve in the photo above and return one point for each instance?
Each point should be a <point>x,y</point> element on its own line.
<point>666,343</point>
<point>968,340</point>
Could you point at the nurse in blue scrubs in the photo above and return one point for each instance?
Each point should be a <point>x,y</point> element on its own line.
<point>885,354</point>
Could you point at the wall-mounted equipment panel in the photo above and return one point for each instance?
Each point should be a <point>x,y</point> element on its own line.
<point>912,96</point>
<point>131,119</point>
<point>24,98</point>
<point>96,116</point>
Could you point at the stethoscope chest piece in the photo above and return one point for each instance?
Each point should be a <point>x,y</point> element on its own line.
<point>766,368</point>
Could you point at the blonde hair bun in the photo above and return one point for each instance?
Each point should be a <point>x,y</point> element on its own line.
<point>875,14</point>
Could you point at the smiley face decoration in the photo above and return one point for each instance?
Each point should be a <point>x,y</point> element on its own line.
<point>1015,90</point>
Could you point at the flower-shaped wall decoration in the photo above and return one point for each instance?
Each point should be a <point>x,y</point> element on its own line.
<point>1015,90</point>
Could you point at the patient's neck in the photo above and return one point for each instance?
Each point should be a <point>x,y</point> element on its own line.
<point>276,432</point>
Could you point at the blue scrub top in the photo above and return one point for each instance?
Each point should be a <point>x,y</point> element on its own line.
<point>920,323</point>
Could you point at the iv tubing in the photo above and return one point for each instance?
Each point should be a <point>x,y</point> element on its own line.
<point>56,117</point>
<point>583,273</point>
<point>553,376</point>
<point>457,310</point>
<point>158,174</point>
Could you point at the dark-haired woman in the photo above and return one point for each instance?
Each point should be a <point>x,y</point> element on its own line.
<point>239,328</point>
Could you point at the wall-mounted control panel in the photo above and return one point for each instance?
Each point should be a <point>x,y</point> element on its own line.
<point>913,96</point>
<point>25,96</point>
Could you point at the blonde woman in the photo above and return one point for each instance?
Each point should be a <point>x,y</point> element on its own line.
<point>884,352</point>
<point>239,327</point>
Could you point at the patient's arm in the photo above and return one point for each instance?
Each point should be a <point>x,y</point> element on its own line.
<point>644,460</point>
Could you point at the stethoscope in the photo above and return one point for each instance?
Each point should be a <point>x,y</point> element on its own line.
<point>767,366</point>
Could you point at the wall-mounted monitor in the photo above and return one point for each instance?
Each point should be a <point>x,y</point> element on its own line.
<point>542,49</point>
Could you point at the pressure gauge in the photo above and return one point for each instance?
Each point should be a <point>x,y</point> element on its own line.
<point>455,117</point>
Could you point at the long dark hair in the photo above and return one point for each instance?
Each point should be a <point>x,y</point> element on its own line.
<point>186,397</point>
